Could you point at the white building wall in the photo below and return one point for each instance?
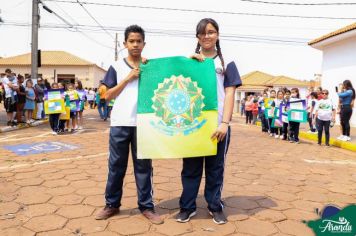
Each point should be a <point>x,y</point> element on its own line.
<point>339,64</point>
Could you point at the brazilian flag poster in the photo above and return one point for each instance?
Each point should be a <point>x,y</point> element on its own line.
<point>177,110</point>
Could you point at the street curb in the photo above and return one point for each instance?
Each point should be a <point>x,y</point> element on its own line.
<point>333,142</point>
<point>23,126</point>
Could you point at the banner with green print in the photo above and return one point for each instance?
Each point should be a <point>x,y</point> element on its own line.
<point>177,108</point>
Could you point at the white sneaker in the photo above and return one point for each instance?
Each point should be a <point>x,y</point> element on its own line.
<point>344,138</point>
<point>348,138</point>
<point>276,136</point>
<point>54,133</point>
<point>340,137</point>
<point>271,135</point>
<point>281,137</point>
<point>80,127</point>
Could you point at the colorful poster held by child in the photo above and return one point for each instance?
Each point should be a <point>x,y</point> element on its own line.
<point>177,109</point>
<point>268,102</point>
<point>297,116</point>
<point>54,101</point>
<point>297,105</point>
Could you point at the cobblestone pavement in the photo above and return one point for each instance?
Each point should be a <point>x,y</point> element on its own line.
<point>270,186</point>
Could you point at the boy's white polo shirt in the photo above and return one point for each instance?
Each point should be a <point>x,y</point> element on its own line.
<point>124,111</point>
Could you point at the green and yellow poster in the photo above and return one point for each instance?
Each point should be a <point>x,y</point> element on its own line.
<point>177,109</point>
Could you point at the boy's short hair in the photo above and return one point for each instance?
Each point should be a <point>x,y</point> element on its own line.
<point>134,29</point>
<point>314,94</point>
<point>287,91</point>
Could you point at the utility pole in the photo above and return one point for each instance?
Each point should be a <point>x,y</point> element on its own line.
<point>116,43</point>
<point>34,44</point>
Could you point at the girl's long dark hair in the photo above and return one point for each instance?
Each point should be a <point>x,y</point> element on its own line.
<point>296,90</point>
<point>201,30</point>
<point>348,86</point>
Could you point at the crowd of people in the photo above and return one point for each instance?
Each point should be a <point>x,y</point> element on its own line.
<point>24,98</point>
<point>321,112</point>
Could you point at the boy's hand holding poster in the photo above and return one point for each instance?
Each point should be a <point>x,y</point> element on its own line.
<point>54,103</point>
<point>177,109</point>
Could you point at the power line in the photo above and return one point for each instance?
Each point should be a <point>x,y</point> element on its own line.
<point>71,26</point>
<point>302,4</point>
<point>91,16</point>
<point>183,34</point>
<point>207,11</point>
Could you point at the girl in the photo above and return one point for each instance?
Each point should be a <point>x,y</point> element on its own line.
<point>73,96</point>
<point>54,118</point>
<point>276,103</point>
<point>248,109</point>
<point>347,97</point>
<point>313,98</point>
<point>228,78</point>
<point>294,126</point>
<point>30,101</point>
<point>285,124</point>
<point>325,113</point>
<point>82,98</point>
<point>254,111</point>
<point>261,104</point>
<point>272,130</point>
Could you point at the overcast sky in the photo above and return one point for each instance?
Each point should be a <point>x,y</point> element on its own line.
<point>275,45</point>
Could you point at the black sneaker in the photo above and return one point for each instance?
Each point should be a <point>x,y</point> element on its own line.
<point>184,216</point>
<point>218,217</point>
<point>14,123</point>
<point>9,123</point>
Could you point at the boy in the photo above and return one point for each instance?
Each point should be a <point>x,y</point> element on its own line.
<point>123,83</point>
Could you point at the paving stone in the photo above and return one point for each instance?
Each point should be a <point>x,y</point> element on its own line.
<point>75,211</point>
<point>9,208</point>
<point>39,210</point>
<point>270,215</point>
<point>129,226</point>
<point>92,191</point>
<point>172,228</point>
<point>294,228</point>
<point>61,232</point>
<point>45,223</point>
<point>56,183</point>
<point>87,225</point>
<point>70,199</point>
<point>20,231</point>
<point>241,202</point>
<point>96,201</point>
<point>58,191</point>
<point>29,182</point>
<point>256,227</point>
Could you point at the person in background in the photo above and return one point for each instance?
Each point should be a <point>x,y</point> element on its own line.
<point>276,104</point>
<point>294,126</point>
<point>311,111</point>
<point>54,118</point>
<point>110,105</point>
<point>39,90</point>
<point>21,99</point>
<point>254,111</point>
<point>319,91</point>
<point>91,97</point>
<point>325,113</point>
<point>272,130</point>
<point>10,87</point>
<point>285,124</point>
<point>47,84</point>
<point>261,104</point>
<point>82,97</point>
<point>73,96</point>
<point>248,109</point>
<point>30,101</point>
<point>102,106</point>
<point>243,101</point>
<point>347,98</point>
